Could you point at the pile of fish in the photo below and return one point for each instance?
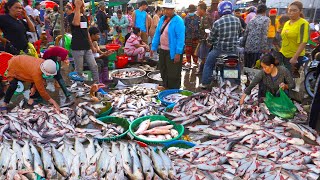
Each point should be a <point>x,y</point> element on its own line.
<point>145,67</point>
<point>256,150</point>
<point>222,104</point>
<point>134,102</point>
<point>74,160</point>
<point>156,130</point>
<point>156,77</point>
<point>173,98</point>
<point>127,74</point>
<point>43,125</point>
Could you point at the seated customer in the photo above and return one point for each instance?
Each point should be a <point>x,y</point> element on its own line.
<point>135,46</point>
<point>101,56</point>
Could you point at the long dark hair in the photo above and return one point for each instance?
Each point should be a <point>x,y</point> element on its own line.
<point>268,59</point>
<point>136,30</point>
<point>273,20</point>
<point>300,7</point>
<point>9,4</point>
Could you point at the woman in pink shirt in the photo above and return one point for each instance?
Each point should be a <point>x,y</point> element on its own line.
<point>135,46</point>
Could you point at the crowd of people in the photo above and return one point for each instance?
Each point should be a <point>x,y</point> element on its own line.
<point>202,34</point>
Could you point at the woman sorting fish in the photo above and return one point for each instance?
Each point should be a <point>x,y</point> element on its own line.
<point>33,70</point>
<point>57,54</point>
<point>271,78</point>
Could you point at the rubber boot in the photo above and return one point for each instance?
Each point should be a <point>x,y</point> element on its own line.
<point>64,88</point>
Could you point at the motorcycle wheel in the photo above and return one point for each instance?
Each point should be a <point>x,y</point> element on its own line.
<point>306,67</point>
<point>310,82</point>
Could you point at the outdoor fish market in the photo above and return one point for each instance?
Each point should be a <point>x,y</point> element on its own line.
<point>139,132</point>
<point>157,91</point>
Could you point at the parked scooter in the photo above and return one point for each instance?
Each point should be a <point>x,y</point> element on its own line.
<point>313,68</point>
<point>228,68</point>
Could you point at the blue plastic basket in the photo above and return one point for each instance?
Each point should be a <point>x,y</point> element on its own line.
<point>165,93</point>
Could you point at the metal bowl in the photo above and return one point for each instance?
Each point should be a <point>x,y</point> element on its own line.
<point>151,80</point>
<point>128,81</point>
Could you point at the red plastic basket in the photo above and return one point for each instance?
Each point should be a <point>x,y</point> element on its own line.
<point>4,59</point>
<point>121,61</point>
<point>114,47</point>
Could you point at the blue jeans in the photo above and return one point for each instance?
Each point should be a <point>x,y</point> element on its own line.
<point>209,65</point>
<point>103,40</point>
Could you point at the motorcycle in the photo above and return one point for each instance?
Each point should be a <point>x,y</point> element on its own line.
<point>228,68</point>
<point>313,68</point>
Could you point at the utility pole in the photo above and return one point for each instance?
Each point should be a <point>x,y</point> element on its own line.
<point>62,22</point>
<point>315,10</point>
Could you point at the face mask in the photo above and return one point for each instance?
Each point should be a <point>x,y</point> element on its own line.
<point>191,14</point>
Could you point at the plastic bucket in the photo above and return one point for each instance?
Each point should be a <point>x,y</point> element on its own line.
<point>121,62</point>
<point>4,60</point>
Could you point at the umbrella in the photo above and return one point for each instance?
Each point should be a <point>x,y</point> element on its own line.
<point>48,4</point>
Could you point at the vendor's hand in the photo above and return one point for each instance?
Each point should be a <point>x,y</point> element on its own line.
<point>109,52</point>
<point>32,91</point>
<point>24,13</point>
<point>283,86</point>
<point>294,60</point>
<point>4,41</point>
<point>55,104</point>
<point>243,97</point>
<point>78,3</point>
<point>177,58</point>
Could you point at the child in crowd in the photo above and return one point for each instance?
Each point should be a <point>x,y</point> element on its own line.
<point>101,56</point>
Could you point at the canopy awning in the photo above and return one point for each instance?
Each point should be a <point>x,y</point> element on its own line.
<point>113,3</point>
<point>244,1</point>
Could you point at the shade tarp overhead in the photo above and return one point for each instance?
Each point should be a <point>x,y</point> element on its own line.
<point>243,1</point>
<point>113,3</point>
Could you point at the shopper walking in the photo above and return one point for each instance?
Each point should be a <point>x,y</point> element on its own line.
<point>81,45</point>
<point>205,23</point>
<point>172,41</point>
<point>192,23</point>
<point>140,20</point>
<point>255,37</point>
<point>295,35</point>
<point>102,22</point>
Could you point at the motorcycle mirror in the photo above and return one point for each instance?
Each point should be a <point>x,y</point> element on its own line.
<point>317,27</point>
<point>207,31</point>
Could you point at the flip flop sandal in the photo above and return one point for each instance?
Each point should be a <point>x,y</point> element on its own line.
<point>74,76</point>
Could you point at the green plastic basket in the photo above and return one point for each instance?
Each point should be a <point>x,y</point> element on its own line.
<point>138,121</point>
<point>106,111</point>
<point>120,121</point>
<point>179,144</point>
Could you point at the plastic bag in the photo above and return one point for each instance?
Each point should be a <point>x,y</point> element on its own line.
<point>281,106</point>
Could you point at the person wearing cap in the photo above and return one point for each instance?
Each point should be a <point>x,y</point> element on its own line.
<point>255,39</point>
<point>30,69</point>
<point>169,35</point>
<point>205,23</point>
<point>273,27</point>
<point>192,23</point>
<point>102,22</point>
<point>224,37</point>
<point>140,20</point>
